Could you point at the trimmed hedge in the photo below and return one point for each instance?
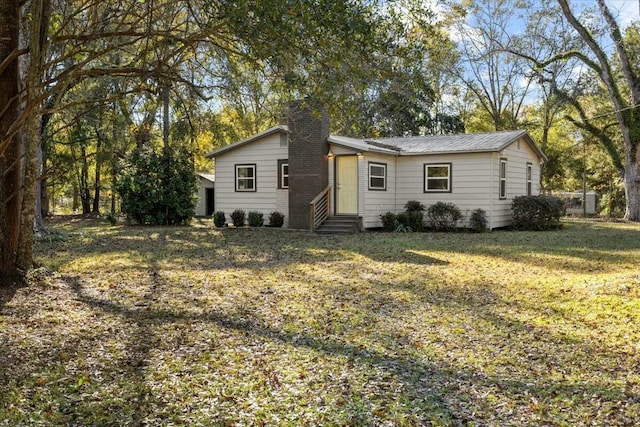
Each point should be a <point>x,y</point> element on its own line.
<point>414,206</point>
<point>238,217</point>
<point>389,221</point>
<point>537,213</point>
<point>255,219</point>
<point>444,216</point>
<point>276,219</point>
<point>478,221</point>
<point>219,219</point>
<point>413,217</point>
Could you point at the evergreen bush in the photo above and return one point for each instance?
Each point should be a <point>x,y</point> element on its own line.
<point>238,218</point>
<point>403,219</point>
<point>478,221</point>
<point>414,214</point>
<point>255,219</point>
<point>537,213</point>
<point>219,219</point>
<point>276,219</point>
<point>112,217</point>
<point>389,221</point>
<point>444,216</point>
<point>415,220</point>
<point>414,206</point>
<point>158,189</point>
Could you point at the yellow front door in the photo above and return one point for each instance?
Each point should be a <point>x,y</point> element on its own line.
<point>347,185</point>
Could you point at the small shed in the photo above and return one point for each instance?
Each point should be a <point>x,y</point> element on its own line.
<point>577,204</point>
<point>206,194</point>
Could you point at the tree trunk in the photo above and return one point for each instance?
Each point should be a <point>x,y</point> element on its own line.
<point>96,186</point>
<point>632,187</point>
<point>38,223</point>
<point>45,204</point>
<point>75,203</point>
<point>113,197</point>
<point>623,88</point>
<point>85,193</point>
<point>10,144</point>
<point>31,134</point>
<point>44,149</point>
<point>165,119</point>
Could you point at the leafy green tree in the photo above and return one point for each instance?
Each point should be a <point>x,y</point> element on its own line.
<point>612,62</point>
<point>146,48</point>
<point>158,189</point>
<point>546,33</point>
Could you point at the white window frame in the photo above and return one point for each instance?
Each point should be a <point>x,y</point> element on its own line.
<point>502,182</point>
<point>383,176</point>
<point>252,179</point>
<point>282,165</point>
<point>529,178</point>
<point>428,178</point>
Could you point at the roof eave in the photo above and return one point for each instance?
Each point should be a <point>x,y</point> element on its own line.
<point>365,147</point>
<point>433,153</point>
<point>525,135</point>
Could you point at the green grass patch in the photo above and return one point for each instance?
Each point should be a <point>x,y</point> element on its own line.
<point>204,326</point>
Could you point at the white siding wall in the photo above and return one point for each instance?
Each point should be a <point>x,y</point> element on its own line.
<point>474,182</point>
<point>362,179</point>
<point>377,202</point>
<point>470,181</point>
<point>200,204</point>
<point>517,155</point>
<point>264,153</point>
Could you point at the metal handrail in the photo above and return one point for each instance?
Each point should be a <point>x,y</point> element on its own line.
<point>319,209</point>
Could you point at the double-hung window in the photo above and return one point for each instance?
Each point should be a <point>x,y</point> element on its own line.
<point>437,177</point>
<point>529,182</point>
<point>246,177</point>
<point>377,176</point>
<point>503,179</point>
<point>283,173</point>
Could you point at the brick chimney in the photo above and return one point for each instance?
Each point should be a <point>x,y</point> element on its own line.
<point>308,164</point>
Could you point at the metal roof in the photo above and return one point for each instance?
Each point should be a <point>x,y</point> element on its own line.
<point>454,143</point>
<point>359,144</point>
<point>438,144</point>
<point>413,145</point>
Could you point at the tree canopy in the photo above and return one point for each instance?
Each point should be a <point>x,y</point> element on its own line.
<point>86,84</point>
<point>133,60</point>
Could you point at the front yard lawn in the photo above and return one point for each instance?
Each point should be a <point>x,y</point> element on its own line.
<point>129,326</point>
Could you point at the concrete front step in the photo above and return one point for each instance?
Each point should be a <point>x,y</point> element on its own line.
<point>339,225</point>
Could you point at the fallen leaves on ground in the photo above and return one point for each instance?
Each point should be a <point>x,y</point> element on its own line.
<point>200,326</point>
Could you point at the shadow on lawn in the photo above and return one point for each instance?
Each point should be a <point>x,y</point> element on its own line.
<point>210,249</point>
<point>579,248</point>
<point>541,367</point>
<point>7,291</point>
<point>142,340</point>
<point>441,386</point>
<point>444,384</point>
<point>8,288</point>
